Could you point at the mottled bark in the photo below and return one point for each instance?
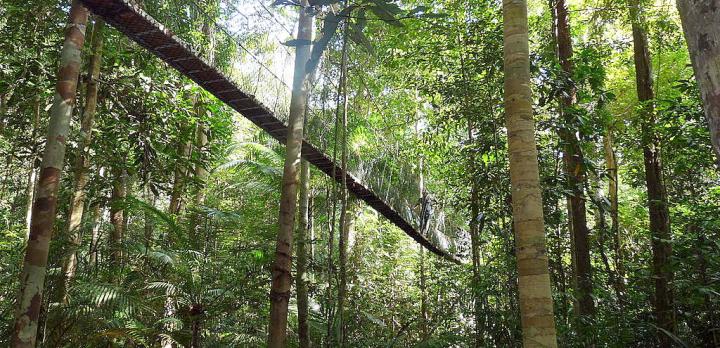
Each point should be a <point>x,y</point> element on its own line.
<point>43,216</point>
<point>80,179</point>
<point>657,198</point>
<point>702,32</point>
<point>281,269</point>
<point>536,305</point>
<point>302,255</point>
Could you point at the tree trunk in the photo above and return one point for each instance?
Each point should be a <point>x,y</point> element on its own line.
<point>611,165</point>
<point>657,198</point>
<point>302,255</point>
<point>424,331</point>
<point>702,32</point>
<point>475,229</point>
<point>77,204</point>
<point>347,226</point>
<point>281,269</point>
<point>536,304</point>
<point>149,223</point>
<point>97,208</point>
<point>32,172</point>
<point>196,313</point>
<point>181,173</point>
<point>117,219</point>
<point>43,215</point>
<point>576,178</point>
<point>201,175</point>
<point>345,208</point>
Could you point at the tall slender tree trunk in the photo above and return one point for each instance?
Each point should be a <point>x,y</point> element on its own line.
<point>180,177</point>
<point>97,213</point>
<point>32,172</point>
<point>702,32</point>
<point>424,330</point>
<point>345,208</point>
<point>32,279</point>
<point>302,255</point>
<point>475,229</point>
<point>77,203</point>
<point>117,219</point>
<point>201,176</point>
<point>536,304</point>
<point>281,269</point>
<point>612,170</point>
<point>576,178</point>
<point>657,197</point>
<point>149,224</point>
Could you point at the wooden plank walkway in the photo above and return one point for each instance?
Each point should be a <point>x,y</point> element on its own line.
<point>153,36</point>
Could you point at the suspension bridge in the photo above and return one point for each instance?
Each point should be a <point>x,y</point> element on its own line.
<point>374,188</point>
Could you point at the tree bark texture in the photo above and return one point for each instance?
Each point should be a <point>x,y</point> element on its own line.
<point>80,179</point>
<point>536,304</point>
<point>117,218</point>
<point>302,255</point>
<point>657,197</point>
<point>281,269</point>
<point>701,24</point>
<point>43,215</point>
<point>344,203</point>
<point>575,173</point>
<point>612,170</point>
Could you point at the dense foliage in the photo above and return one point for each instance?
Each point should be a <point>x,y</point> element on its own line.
<point>187,192</point>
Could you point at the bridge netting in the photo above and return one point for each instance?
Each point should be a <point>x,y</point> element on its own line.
<point>244,42</point>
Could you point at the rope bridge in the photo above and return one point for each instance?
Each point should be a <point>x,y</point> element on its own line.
<point>247,71</point>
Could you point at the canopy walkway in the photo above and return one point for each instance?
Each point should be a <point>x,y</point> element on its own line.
<point>149,33</point>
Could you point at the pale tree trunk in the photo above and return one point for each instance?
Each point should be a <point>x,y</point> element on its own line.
<point>424,331</point>
<point>576,178</point>
<point>536,304</point>
<point>657,197</point>
<point>149,224</point>
<point>97,213</point>
<point>347,228</point>
<point>201,175</point>
<point>181,172</point>
<point>43,215</point>
<point>77,203</point>
<point>611,166</point>
<point>281,269</point>
<point>702,32</point>
<point>302,255</point>
<point>197,310</point>
<point>201,140</point>
<point>32,172</point>
<point>344,207</point>
<point>117,219</point>
<point>311,231</point>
